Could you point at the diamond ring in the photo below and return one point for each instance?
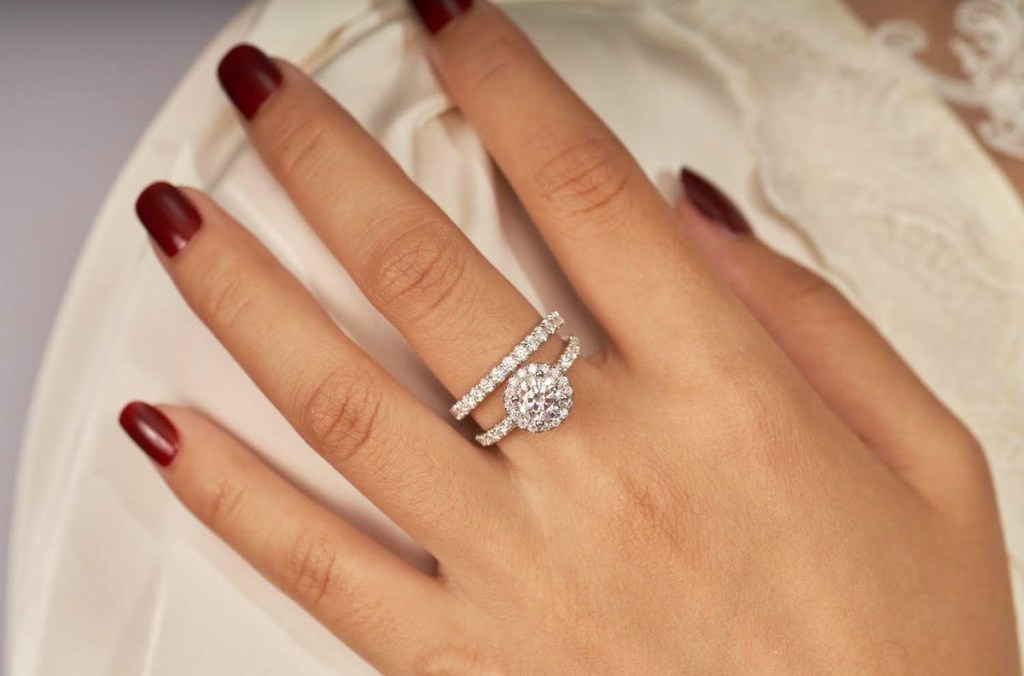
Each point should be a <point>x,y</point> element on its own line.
<point>497,375</point>
<point>537,398</point>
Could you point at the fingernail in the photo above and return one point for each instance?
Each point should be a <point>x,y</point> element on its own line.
<point>168,216</point>
<point>436,14</point>
<point>151,430</point>
<point>248,77</point>
<point>713,203</point>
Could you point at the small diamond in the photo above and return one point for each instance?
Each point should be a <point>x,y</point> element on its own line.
<point>552,322</point>
<point>530,344</point>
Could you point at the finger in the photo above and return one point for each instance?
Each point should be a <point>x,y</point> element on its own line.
<point>850,365</point>
<point>455,309</point>
<point>607,225</point>
<point>405,459</point>
<point>383,608</point>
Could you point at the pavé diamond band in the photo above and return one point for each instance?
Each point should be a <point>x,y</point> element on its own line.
<point>516,358</point>
<point>537,398</point>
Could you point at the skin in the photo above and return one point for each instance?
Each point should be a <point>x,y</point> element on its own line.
<point>774,492</point>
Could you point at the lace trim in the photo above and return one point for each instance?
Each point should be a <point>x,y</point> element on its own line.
<point>990,48</point>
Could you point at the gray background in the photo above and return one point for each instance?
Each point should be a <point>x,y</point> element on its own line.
<point>79,82</point>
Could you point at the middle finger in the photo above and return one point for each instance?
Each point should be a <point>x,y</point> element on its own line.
<point>455,309</point>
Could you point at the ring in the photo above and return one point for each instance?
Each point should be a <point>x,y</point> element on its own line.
<point>497,375</point>
<point>537,398</point>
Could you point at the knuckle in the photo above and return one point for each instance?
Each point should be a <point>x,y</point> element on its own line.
<point>341,414</point>
<point>223,503</point>
<point>418,270</point>
<point>313,574</point>
<point>302,146</point>
<point>814,297</point>
<point>494,56</point>
<point>755,416</point>
<point>760,409</point>
<point>228,294</point>
<point>588,178</point>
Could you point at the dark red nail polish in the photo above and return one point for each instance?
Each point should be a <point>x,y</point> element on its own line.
<point>168,216</point>
<point>151,430</point>
<point>436,14</point>
<point>248,77</point>
<point>713,203</point>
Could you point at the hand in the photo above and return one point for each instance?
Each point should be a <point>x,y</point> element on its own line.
<point>751,480</point>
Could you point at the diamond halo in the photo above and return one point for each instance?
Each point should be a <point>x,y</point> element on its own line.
<point>538,397</point>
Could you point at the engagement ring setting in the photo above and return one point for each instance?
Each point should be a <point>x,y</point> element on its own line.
<point>538,397</point>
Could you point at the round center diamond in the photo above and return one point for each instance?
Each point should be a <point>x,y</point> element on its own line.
<point>538,397</point>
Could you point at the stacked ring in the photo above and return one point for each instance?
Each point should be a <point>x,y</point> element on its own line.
<point>497,375</point>
<point>538,397</point>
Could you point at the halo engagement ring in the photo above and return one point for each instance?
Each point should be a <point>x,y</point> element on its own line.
<point>538,397</point>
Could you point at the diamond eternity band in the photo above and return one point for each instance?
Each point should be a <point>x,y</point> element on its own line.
<point>516,358</point>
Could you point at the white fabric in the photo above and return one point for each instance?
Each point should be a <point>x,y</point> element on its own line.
<point>841,159</point>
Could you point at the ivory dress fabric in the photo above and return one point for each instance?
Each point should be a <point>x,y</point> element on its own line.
<point>842,157</point>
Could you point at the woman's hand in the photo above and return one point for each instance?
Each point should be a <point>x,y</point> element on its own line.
<point>751,480</point>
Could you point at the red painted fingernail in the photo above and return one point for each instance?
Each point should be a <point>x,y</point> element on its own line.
<point>436,14</point>
<point>713,203</point>
<point>248,77</point>
<point>168,215</point>
<point>151,430</point>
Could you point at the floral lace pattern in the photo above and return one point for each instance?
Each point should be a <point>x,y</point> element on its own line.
<point>990,48</point>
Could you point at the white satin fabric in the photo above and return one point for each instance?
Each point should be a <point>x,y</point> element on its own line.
<point>841,158</point>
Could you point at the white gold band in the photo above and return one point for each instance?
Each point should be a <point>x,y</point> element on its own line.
<point>497,375</point>
<point>537,398</point>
